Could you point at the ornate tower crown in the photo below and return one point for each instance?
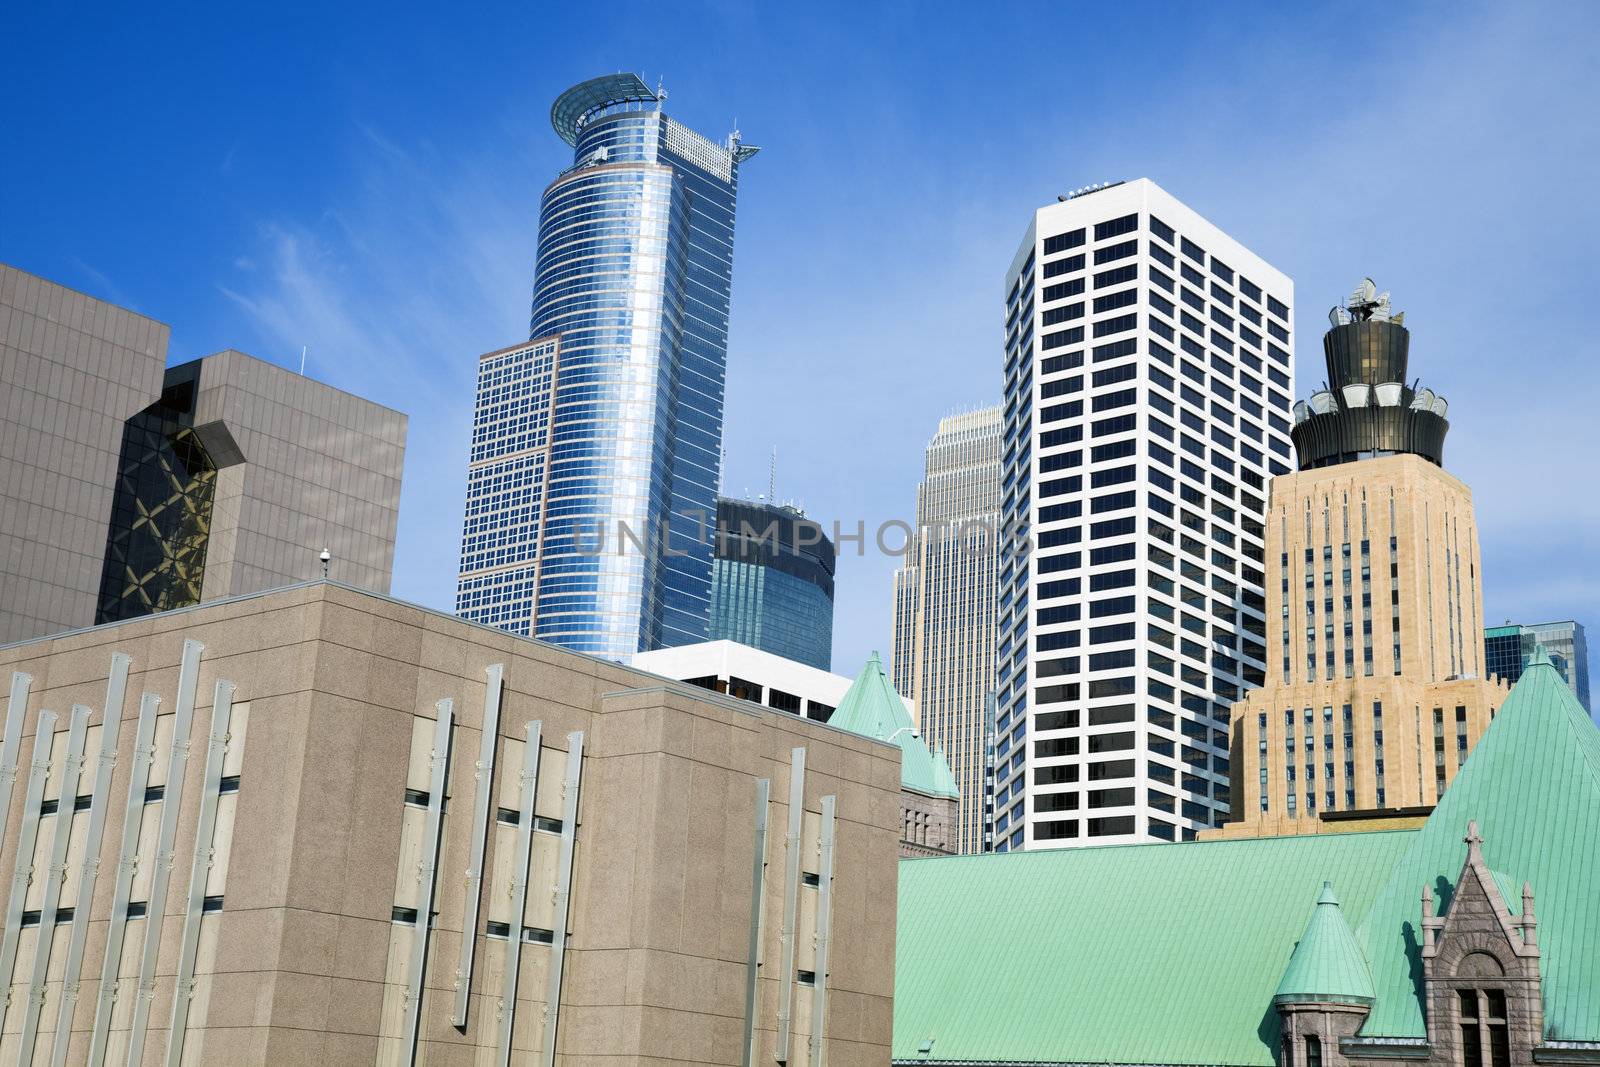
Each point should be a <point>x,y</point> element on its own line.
<point>1366,303</point>
<point>1366,410</point>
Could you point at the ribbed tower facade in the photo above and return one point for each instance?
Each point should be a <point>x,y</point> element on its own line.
<point>944,605</point>
<point>1376,688</point>
<point>596,446</point>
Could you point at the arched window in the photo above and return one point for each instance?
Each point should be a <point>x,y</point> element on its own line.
<point>1313,1051</point>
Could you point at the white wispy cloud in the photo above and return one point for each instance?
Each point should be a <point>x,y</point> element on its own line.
<point>418,266</point>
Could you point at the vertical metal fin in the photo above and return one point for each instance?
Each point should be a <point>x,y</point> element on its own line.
<point>44,731</point>
<point>99,802</point>
<point>563,894</point>
<point>16,708</point>
<point>791,897</point>
<point>819,998</point>
<point>427,876</point>
<point>758,881</point>
<point>171,802</point>
<point>71,765</point>
<point>480,840</point>
<point>519,891</point>
<point>127,863</point>
<point>200,870</point>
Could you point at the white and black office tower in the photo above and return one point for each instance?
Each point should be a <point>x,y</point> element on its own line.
<point>1148,379</point>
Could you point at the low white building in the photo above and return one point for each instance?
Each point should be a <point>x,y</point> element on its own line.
<point>750,674</point>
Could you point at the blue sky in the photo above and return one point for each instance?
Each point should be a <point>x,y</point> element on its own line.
<point>365,182</point>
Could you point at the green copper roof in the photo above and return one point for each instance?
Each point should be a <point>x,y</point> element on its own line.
<point>872,707</point>
<point>1172,954</point>
<point>1326,964</point>
<point>1155,954</point>
<point>1532,783</point>
<point>944,781</point>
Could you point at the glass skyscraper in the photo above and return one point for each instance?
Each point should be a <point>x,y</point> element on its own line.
<point>772,582</point>
<point>1507,649</point>
<point>591,491</point>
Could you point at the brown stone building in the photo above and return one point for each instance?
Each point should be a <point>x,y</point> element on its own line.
<point>371,833</point>
<point>1375,687</point>
<point>129,487</point>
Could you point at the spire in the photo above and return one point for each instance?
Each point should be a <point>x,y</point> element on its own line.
<point>872,707</point>
<point>1430,922</point>
<point>1326,965</point>
<point>1527,923</point>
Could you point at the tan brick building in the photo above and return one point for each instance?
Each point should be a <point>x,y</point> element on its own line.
<point>650,873</point>
<point>944,606</point>
<point>1375,687</point>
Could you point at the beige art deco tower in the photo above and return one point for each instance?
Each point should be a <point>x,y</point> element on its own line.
<point>944,604</point>
<point>1375,688</point>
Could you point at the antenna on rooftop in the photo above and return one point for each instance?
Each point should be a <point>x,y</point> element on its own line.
<point>772,477</point>
<point>303,360</point>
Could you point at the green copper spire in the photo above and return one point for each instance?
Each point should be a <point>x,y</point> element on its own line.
<point>873,708</point>
<point>1326,966</point>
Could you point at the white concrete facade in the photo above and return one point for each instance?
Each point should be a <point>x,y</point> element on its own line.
<point>722,665</point>
<point>1149,379</point>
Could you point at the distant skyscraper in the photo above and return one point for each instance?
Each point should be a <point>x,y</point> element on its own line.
<point>129,487</point>
<point>772,582</point>
<point>1148,384</point>
<point>603,433</point>
<point>944,604</point>
<point>1508,648</point>
<point>1377,687</point>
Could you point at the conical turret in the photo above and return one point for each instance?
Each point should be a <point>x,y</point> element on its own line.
<point>1327,966</point>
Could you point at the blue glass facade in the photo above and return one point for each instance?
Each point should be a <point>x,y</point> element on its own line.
<point>1507,649</point>
<point>592,492</point>
<point>772,582</point>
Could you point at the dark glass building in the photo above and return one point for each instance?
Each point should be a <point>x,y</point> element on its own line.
<point>1508,649</point>
<point>772,582</point>
<point>161,512</point>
